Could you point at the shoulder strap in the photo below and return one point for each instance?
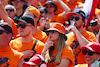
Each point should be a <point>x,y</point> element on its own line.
<point>27,59</point>
<point>34,46</point>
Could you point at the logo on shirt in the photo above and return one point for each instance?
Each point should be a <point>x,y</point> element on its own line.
<point>4,62</point>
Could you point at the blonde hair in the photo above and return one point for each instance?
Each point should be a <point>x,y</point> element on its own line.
<point>61,45</point>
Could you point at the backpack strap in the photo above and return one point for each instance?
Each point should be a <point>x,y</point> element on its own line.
<point>27,59</point>
<point>34,46</point>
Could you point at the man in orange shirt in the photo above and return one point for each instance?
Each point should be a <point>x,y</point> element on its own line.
<point>35,14</point>
<point>70,3</point>
<point>80,36</point>
<point>8,56</point>
<point>51,8</point>
<point>26,44</point>
<point>32,11</point>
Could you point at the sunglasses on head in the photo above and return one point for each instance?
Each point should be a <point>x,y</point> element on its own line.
<point>50,32</point>
<point>11,10</point>
<point>1,31</point>
<point>90,53</point>
<point>76,18</point>
<point>22,25</point>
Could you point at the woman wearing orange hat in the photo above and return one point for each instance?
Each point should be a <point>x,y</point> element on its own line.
<point>55,48</point>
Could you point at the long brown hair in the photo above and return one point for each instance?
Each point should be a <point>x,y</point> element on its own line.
<point>61,45</point>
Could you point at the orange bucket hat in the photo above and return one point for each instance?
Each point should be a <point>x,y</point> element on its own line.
<point>58,27</point>
<point>33,10</point>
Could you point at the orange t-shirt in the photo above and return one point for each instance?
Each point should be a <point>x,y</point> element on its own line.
<point>66,53</point>
<point>61,20</point>
<point>55,19</point>
<point>40,35</point>
<point>9,57</point>
<point>72,40</point>
<point>18,45</point>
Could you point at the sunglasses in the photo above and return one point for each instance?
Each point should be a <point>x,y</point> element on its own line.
<point>76,18</point>
<point>94,23</point>
<point>1,31</point>
<point>50,32</point>
<point>42,12</point>
<point>22,25</point>
<point>90,53</point>
<point>11,10</point>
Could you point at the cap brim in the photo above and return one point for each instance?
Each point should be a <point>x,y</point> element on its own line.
<point>85,47</point>
<point>71,13</point>
<point>28,63</point>
<point>52,29</point>
<point>22,21</point>
<point>58,31</point>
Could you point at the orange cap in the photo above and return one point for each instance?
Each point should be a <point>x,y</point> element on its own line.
<point>33,10</point>
<point>58,27</point>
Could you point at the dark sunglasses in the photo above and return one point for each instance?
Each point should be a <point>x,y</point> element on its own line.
<point>90,53</point>
<point>22,25</point>
<point>11,10</point>
<point>1,31</point>
<point>94,23</point>
<point>42,12</point>
<point>76,18</point>
<point>50,32</point>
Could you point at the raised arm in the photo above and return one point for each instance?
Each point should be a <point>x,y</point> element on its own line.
<point>81,39</point>
<point>64,6</point>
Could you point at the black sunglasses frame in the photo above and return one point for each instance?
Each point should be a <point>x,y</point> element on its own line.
<point>90,53</point>
<point>1,31</point>
<point>42,12</point>
<point>11,10</point>
<point>22,25</point>
<point>52,31</point>
<point>76,18</point>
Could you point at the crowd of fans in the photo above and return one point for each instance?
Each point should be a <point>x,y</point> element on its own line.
<point>48,33</point>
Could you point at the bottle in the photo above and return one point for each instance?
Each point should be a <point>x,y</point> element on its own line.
<point>73,23</point>
<point>95,63</point>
